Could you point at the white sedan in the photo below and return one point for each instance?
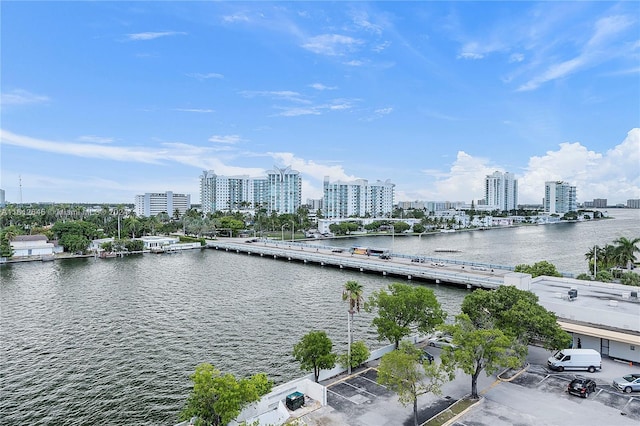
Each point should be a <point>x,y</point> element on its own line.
<point>441,342</point>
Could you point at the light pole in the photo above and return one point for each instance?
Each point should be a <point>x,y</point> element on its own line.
<point>393,237</point>
<point>282,232</point>
<point>293,230</point>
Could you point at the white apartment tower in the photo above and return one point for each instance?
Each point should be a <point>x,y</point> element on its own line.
<point>280,191</point>
<point>501,191</point>
<point>151,204</point>
<point>559,197</point>
<point>220,193</point>
<point>285,190</point>
<point>357,199</point>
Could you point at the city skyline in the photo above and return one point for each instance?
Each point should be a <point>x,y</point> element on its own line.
<point>105,100</point>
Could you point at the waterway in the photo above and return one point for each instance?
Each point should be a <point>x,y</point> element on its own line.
<point>113,341</point>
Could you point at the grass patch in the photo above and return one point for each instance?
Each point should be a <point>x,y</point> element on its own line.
<point>451,412</point>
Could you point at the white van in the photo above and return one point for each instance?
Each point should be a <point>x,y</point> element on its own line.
<point>575,359</point>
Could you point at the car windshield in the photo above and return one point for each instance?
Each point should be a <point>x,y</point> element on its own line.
<point>559,355</point>
<point>629,378</point>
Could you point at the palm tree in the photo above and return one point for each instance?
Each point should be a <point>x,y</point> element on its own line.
<point>625,250</point>
<point>353,293</point>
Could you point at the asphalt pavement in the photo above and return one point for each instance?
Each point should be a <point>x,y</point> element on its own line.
<point>535,397</point>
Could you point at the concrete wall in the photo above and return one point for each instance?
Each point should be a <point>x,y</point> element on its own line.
<point>268,411</point>
<point>623,351</point>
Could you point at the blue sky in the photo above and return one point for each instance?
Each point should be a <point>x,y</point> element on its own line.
<point>105,100</point>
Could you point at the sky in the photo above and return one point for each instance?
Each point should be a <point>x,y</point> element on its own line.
<point>101,101</point>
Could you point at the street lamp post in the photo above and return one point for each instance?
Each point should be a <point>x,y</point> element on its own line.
<point>293,230</point>
<point>393,237</point>
<point>282,232</point>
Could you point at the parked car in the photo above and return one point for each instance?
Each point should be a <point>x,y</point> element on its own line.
<point>581,387</point>
<point>426,356</point>
<point>441,342</point>
<point>337,250</point>
<point>629,383</point>
<point>385,256</point>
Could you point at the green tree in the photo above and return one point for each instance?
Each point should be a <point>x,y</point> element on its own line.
<point>604,276</point>
<point>353,293</point>
<point>402,372</point>
<point>358,354</point>
<point>216,399</point>
<point>477,349</point>
<point>418,228</point>
<point>400,227</point>
<point>313,352</point>
<point>625,251</point>
<point>539,268</point>
<point>74,242</point>
<point>630,278</point>
<point>402,308</point>
<point>584,277</point>
<point>518,314</point>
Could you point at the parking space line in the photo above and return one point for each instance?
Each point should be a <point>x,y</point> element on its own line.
<point>372,381</point>
<point>543,379</point>
<point>359,389</point>
<point>342,396</point>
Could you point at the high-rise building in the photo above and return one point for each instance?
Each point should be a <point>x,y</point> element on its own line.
<point>280,191</point>
<point>151,204</point>
<point>357,198</point>
<point>633,203</point>
<point>220,193</point>
<point>501,191</point>
<point>559,197</point>
<point>2,200</point>
<point>284,190</point>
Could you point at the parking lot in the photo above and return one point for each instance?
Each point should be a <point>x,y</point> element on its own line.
<point>360,400</point>
<point>534,397</point>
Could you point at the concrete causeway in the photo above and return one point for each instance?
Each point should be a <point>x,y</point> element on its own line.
<point>441,271</point>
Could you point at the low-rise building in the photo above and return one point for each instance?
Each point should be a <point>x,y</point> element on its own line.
<point>600,316</point>
<point>32,245</point>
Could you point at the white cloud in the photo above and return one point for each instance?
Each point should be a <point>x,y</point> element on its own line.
<point>312,173</point>
<point>94,139</point>
<point>613,174</point>
<point>320,86</point>
<point>354,63</point>
<point>153,35</point>
<point>470,55</point>
<point>21,97</point>
<point>331,44</point>
<point>599,48</point>
<point>516,57</point>
<point>206,76</point>
<point>275,94</point>
<point>226,139</point>
<point>198,110</point>
<point>239,17</point>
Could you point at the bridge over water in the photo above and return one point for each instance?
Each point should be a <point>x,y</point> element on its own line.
<point>441,271</point>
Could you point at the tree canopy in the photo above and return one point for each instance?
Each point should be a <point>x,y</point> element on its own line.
<point>402,372</point>
<point>539,268</point>
<point>218,398</point>
<point>402,308</point>
<point>517,313</point>
<point>476,349</point>
<point>313,352</point>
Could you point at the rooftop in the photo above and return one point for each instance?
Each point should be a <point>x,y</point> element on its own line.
<point>605,305</point>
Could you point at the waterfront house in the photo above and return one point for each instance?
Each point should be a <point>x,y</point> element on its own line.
<point>32,245</point>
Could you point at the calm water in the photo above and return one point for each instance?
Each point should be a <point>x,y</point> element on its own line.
<point>114,341</point>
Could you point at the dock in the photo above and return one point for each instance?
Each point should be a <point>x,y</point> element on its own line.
<point>411,267</point>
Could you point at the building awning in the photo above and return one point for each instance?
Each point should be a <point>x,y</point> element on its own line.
<point>600,333</point>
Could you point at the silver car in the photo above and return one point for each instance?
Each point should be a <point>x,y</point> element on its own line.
<point>629,383</point>
<point>441,342</point>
